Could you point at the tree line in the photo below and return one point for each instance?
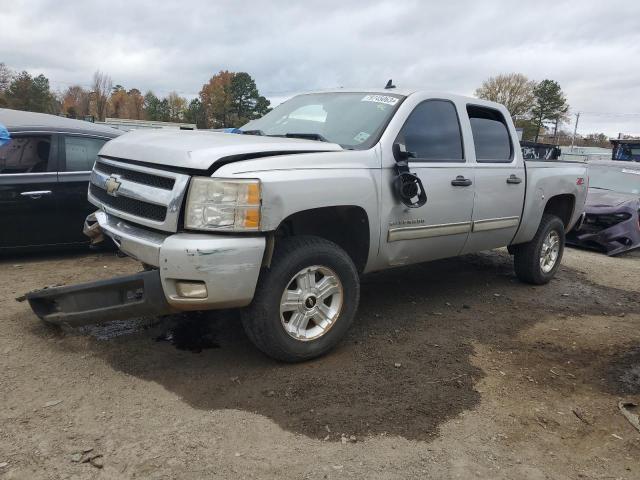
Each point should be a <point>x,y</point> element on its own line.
<point>539,108</point>
<point>228,99</point>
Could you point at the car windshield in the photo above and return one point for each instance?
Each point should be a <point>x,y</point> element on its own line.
<point>352,120</point>
<point>618,179</point>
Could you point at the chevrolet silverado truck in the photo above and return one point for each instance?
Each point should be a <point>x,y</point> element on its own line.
<point>281,218</point>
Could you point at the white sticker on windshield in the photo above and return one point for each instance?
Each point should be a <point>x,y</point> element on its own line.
<point>634,172</point>
<point>380,99</point>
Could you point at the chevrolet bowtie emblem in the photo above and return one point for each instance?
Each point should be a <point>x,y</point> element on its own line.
<point>112,185</point>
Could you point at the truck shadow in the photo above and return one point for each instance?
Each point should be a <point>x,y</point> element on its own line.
<point>405,367</point>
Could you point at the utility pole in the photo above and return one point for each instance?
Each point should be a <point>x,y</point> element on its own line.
<point>575,130</point>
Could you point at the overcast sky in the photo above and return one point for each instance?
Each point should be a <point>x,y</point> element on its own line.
<point>592,48</point>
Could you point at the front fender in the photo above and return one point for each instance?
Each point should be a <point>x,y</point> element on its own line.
<point>295,183</point>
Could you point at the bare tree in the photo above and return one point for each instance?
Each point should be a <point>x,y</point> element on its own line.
<point>513,90</point>
<point>6,75</point>
<point>101,88</point>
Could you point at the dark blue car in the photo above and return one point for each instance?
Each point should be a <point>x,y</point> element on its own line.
<point>626,150</point>
<point>44,176</point>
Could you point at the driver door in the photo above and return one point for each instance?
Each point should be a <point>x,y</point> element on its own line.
<point>440,228</point>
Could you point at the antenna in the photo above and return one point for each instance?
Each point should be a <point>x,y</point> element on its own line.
<point>389,85</point>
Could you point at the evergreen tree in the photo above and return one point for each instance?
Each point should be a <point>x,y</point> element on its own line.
<point>550,105</point>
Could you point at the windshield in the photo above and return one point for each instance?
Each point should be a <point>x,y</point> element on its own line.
<point>352,120</point>
<point>618,179</point>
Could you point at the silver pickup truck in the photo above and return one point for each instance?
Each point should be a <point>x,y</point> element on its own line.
<point>282,217</point>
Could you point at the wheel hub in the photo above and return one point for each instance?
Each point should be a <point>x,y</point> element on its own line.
<point>311,303</point>
<point>550,251</point>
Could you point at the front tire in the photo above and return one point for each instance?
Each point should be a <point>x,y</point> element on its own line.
<point>305,302</point>
<point>537,261</point>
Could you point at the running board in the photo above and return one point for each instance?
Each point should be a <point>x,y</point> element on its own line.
<point>117,298</point>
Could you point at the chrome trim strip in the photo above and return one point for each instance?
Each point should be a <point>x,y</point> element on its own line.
<point>36,193</point>
<point>12,179</point>
<point>18,131</point>
<point>79,176</point>
<point>495,223</point>
<point>74,173</point>
<point>427,231</point>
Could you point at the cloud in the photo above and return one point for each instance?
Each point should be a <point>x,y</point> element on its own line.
<point>588,46</point>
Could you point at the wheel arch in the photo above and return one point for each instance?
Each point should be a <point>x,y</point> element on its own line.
<point>562,206</point>
<point>347,226</point>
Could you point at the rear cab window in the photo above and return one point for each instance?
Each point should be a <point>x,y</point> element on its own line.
<point>491,136</point>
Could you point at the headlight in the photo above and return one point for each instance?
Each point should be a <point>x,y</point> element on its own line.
<point>223,204</point>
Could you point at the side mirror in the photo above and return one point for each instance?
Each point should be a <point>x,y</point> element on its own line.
<point>400,152</point>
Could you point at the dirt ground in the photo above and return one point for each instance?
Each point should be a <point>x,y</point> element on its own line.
<point>497,379</point>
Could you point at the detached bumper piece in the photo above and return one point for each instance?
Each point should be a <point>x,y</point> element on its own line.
<point>102,301</point>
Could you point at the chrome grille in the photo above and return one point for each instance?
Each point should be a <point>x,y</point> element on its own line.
<point>146,196</point>
<point>135,176</point>
<point>138,208</point>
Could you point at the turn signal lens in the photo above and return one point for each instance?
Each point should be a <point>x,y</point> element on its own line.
<point>252,218</point>
<point>253,194</point>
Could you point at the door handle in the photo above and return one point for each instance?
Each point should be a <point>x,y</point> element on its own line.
<point>36,194</point>
<point>460,181</point>
<point>513,179</point>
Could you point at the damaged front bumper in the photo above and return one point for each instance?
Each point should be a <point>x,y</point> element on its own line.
<point>604,232</point>
<point>186,271</point>
<point>94,302</point>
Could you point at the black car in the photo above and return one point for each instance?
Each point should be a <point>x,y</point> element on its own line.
<point>612,221</point>
<point>44,175</point>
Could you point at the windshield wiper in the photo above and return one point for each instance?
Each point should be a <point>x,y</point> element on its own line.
<point>304,136</point>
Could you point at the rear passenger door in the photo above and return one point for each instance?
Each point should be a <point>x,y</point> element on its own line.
<point>78,153</point>
<point>499,178</point>
<point>28,182</point>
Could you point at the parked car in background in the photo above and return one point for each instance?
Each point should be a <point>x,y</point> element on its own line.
<point>626,150</point>
<point>44,176</point>
<point>540,151</point>
<point>612,221</point>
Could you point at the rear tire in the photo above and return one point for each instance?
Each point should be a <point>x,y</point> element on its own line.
<point>537,261</point>
<point>305,302</point>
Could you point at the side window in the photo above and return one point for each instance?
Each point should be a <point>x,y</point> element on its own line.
<point>490,135</point>
<point>81,153</point>
<point>432,132</point>
<point>26,154</point>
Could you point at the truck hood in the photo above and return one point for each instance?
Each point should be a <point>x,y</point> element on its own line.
<point>200,150</point>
